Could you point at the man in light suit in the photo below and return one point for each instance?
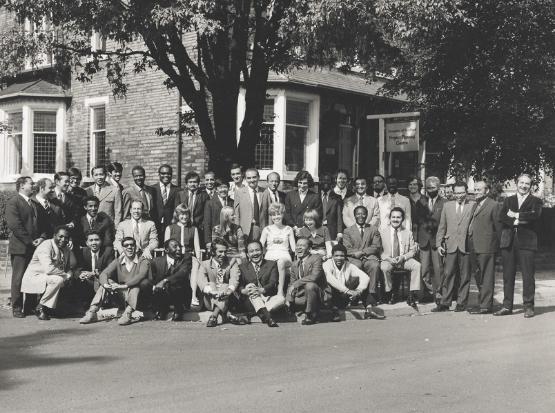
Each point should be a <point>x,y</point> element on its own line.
<point>392,199</point>
<point>50,268</point>
<point>108,195</point>
<point>332,206</point>
<point>142,231</point>
<point>483,242</point>
<point>270,196</point>
<point>22,220</point>
<point>164,200</point>
<point>210,183</point>
<point>519,242</point>
<point>297,202</point>
<point>453,229</point>
<point>212,210</point>
<point>399,250</point>
<point>361,198</point>
<point>94,220</point>
<point>138,191</point>
<point>248,200</point>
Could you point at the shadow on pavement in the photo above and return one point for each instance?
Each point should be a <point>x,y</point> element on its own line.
<point>19,352</point>
<point>519,309</point>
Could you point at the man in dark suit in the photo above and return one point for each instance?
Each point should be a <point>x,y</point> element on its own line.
<point>300,200</point>
<point>341,188</point>
<point>483,244</point>
<point>258,284</point>
<point>212,210</point>
<point>270,196</point>
<point>195,199</point>
<point>331,208</point>
<point>21,217</point>
<point>94,220</point>
<point>164,200</point>
<point>170,277</point>
<point>519,243</point>
<point>306,290</point>
<point>65,200</point>
<point>75,178</point>
<point>138,191</point>
<point>49,215</point>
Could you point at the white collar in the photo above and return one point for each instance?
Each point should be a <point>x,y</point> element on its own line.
<point>124,259</point>
<point>40,199</point>
<point>339,191</point>
<point>170,260</point>
<point>25,197</point>
<point>522,197</point>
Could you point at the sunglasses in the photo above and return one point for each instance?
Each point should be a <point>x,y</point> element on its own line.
<point>128,245</point>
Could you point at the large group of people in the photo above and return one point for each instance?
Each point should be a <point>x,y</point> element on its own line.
<point>238,249</point>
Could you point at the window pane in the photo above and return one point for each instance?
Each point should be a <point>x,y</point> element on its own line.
<point>44,155</point>
<point>99,115</point>
<point>100,140</point>
<point>44,122</point>
<point>297,113</point>
<point>295,141</point>
<point>264,150</point>
<point>15,122</point>
<point>269,114</point>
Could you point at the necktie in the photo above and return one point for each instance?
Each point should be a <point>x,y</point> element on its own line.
<point>61,260</point>
<point>96,191</point>
<point>93,222</point>
<point>362,232</point>
<point>361,200</point>
<point>255,209</point>
<point>144,198</point>
<point>94,260</point>
<point>396,248</point>
<point>47,205</point>
<point>325,202</point>
<point>164,194</point>
<point>431,204</point>
<point>301,269</point>
<point>459,210</point>
<point>136,233</point>
<point>191,200</point>
<point>392,201</point>
<point>275,199</point>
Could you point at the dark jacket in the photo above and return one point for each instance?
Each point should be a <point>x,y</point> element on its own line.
<point>163,212</point>
<point>182,197</point>
<point>267,276</point>
<point>104,225</point>
<point>529,213</point>
<point>48,219</point>
<point>212,210</point>
<point>177,276</point>
<point>84,260</point>
<point>426,221</point>
<point>334,215</point>
<point>485,227</point>
<point>295,209</point>
<point>23,224</point>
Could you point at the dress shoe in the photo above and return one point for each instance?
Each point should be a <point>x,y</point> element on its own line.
<point>529,312</point>
<point>440,308</point>
<point>335,316</point>
<point>392,299</point>
<point>90,317</point>
<point>370,313</point>
<point>42,313</point>
<point>233,319</point>
<point>308,320</point>
<point>503,311</point>
<point>479,311</point>
<point>411,300</point>
<point>177,316</point>
<point>161,315</point>
<point>125,319</point>
<point>459,308</point>
<point>212,321</point>
<point>272,323</point>
<point>18,313</point>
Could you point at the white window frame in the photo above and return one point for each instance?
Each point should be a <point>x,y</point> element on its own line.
<point>280,97</point>
<point>46,60</point>
<point>91,104</point>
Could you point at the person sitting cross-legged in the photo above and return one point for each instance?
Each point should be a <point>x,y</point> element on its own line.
<point>348,284</point>
<point>124,277</point>
<point>218,278</point>
<point>170,276</point>
<point>399,250</point>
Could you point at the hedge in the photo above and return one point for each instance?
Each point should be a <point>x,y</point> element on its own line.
<point>4,196</point>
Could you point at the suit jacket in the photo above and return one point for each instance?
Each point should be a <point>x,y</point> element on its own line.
<point>407,246</point>
<point>71,207</point>
<point>370,244</point>
<point>45,262</point>
<point>48,219</point>
<point>110,201</point>
<point>147,233</point>
<point>385,205</point>
<point>295,209</point>
<point>22,222</point>
<point>313,272</point>
<point>212,210</point>
<point>427,221</point>
<point>208,275</point>
<point>453,229</point>
<point>131,193</point>
<point>163,213</point>
<point>84,261</point>
<point>244,208</point>
<point>333,215</point>
<point>177,276</point>
<point>485,227</point>
<point>79,194</point>
<point>103,224</point>
<point>371,204</point>
<point>529,214</point>
<point>265,203</point>
<point>267,276</point>
<point>182,197</point>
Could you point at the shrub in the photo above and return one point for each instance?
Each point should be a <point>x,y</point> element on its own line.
<point>4,196</point>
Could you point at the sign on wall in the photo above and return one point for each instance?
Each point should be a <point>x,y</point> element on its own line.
<point>401,136</point>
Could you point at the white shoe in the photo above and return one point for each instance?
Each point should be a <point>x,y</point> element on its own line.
<point>90,317</point>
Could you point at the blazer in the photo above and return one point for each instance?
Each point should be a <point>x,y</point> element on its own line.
<point>212,210</point>
<point>265,203</point>
<point>163,213</point>
<point>295,209</point>
<point>177,276</point>
<point>71,207</point>
<point>371,204</point>
<point>529,214</point>
<point>110,201</point>
<point>427,221</point>
<point>453,229</point>
<point>103,224</point>
<point>485,227</point>
<point>117,271</point>
<point>370,244</point>
<point>48,219</point>
<point>313,272</point>
<point>407,246</point>
<point>131,193</point>
<point>79,194</point>
<point>45,262</point>
<point>208,275</point>
<point>197,214</point>
<point>22,222</point>
<point>384,203</point>
<point>84,261</point>
<point>244,208</point>
<point>147,233</point>
<point>333,215</point>
<point>267,276</point>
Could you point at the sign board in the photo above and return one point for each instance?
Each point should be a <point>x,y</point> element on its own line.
<point>401,136</point>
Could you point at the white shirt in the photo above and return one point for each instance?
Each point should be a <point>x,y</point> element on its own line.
<point>392,238</point>
<point>129,263</point>
<point>302,195</point>
<point>89,218</point>
<point>274,198</point>
<point>162,186</point>
<point>340,192</point>
<point>252,192</point>
<point>432,202</point>
<point>223,201</point>
<point>170,261</point>
<point>41,200</point>
<point>521,199</point>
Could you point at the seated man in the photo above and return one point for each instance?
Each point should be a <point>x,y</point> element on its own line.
<point>142,231</point>
<point>348,284</point>
<point>124,277</point>
<point>363,244</point>
<point>399,250</point>
<point>170,276</point>
<point>218,278</point>
<point>92,260</point>
<point>307,282</point>
<point>258,284</point>
<point>52,265</point>
<point>94,220</point>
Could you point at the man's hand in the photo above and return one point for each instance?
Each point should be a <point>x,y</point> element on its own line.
<point>37,242</point>
<point>512,214</point>
<point>441,251</point>
<point>160,285</point>
<point>147,254</point>
<point>357,254</point>
<point>86,275</point>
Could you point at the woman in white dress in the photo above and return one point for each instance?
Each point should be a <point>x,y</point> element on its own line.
<point>279,241</point>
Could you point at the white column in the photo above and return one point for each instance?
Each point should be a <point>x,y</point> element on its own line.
<point>27,141</point>
<point>279,133</point>
<point>381,147</point>
<point>60,141</point>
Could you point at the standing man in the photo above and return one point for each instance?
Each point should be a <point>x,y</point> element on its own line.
<point>391,200</point>
<point>361,198</point>
<point>138,191</point>
<point>164,200</point>
<point>483,244</point>
<point>212,210</point>
<point>49,215</point>
<point>75,178</point>
<point>108,195</point>
<point>378,186</point>
<point>332,206</point>
<point>210,183</point>
<point>299,201</point>
<point>453,230</point>
<point>270,196</point>
<point>195,199</point>
<point>64,200</point>
<point>237,179</point>
<point>21,217</point>
<point>341,188</point>
<point>519,243</point>
<point>142,231</point>
<point>247,205</point>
